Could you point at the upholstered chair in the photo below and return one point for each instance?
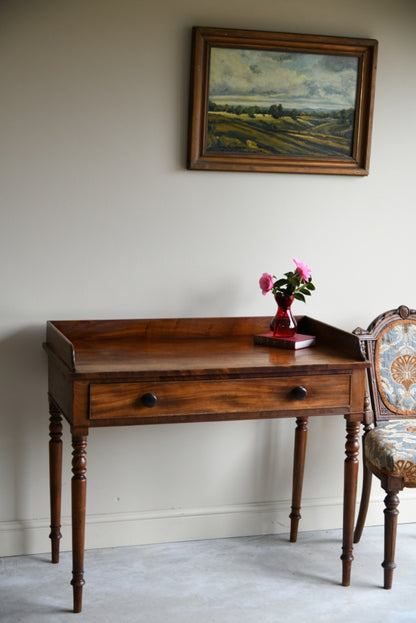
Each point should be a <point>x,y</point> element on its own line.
<point>389,440</point>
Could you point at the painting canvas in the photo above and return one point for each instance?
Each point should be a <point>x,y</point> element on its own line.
<point>269,103</point>
<point>273,102</point>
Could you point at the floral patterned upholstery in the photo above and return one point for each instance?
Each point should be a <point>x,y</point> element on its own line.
<point>395,367</point>
<point>391,449</point>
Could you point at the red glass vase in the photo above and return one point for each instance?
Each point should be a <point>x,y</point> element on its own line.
<point>284,323</point>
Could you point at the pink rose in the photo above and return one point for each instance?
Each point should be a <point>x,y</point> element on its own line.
<point>266,283</point>
<point>303,269</point>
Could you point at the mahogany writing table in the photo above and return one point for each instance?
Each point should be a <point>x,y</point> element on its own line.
<point>124,372</point>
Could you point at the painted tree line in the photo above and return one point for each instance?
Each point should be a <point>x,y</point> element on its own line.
<point>277,111</point>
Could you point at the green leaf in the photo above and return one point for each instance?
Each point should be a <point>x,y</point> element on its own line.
<point>279,283</point>
<point>299,297</point>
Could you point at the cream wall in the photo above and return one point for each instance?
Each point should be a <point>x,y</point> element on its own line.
<point>100,218</point>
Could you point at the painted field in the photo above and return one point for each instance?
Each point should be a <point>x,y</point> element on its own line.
<point>306,134</point>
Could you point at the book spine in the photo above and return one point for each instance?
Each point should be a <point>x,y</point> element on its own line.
<point>265,341</point>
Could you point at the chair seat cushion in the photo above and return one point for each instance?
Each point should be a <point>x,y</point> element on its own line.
<point>391,449</point>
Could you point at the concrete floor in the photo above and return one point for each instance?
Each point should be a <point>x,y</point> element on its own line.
<point>259,579</point>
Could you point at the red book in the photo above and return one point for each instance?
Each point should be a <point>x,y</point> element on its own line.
<point>297,341</point>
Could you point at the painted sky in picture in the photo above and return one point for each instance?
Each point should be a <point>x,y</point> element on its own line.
<point>294,80</point>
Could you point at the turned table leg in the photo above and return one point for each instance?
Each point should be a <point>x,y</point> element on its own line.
<point>79,496</point>
<point>55,477</point>
<point>301,435</point>
<point>352,447</point>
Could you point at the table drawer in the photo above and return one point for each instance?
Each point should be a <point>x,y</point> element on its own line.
<point>186,398</point>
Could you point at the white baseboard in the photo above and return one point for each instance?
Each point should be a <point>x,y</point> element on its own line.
<point>123,529</point>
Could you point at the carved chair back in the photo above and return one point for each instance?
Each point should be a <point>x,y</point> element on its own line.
<point>389,344</point>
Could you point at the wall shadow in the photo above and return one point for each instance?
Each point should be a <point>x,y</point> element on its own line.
<point>24,426</point>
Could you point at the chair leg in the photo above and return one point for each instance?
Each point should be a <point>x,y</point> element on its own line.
<point>367,477</point>
<point>391,513</point>
<point>365,499</point>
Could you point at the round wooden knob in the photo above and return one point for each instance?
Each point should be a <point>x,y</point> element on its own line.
<point>149,400</point>
<point>299,392</point>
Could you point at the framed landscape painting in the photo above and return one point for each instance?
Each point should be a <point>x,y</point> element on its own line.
<point>278,102</point>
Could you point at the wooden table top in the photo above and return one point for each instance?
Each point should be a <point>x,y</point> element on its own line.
<point>201,347</point>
